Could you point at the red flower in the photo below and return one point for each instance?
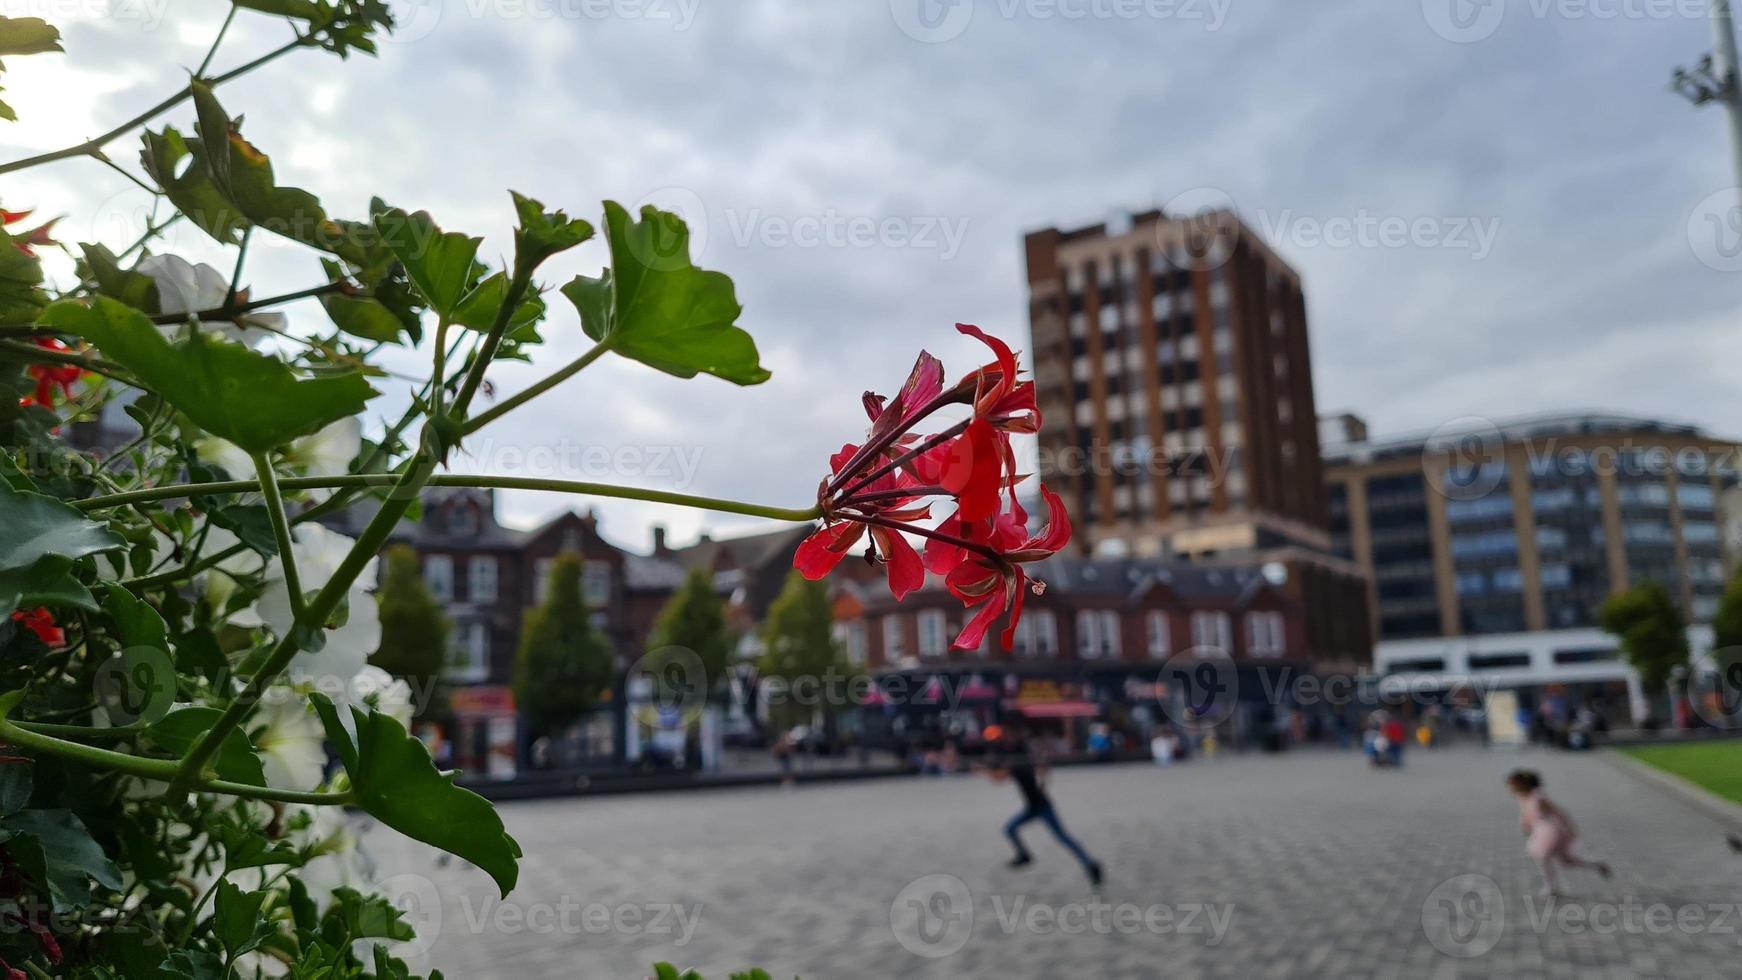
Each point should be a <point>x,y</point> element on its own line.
<point>885,500</point>
<point>877,489</point>
<point>41,622</point>
<point>26,241</point>
<point>996,582</point>
<point>52,376</point>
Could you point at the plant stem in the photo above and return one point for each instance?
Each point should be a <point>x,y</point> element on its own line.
<point>280,530</point>
<point>133,765</point>
<point>421,468</point>
<point>96,143</point>
<point>889,467</point>
<point>206,62</point>
<point>366,480</point>
<point>231,312</point>
<point>926,532</point>
<point>537,388</point>
<point>43,355</point>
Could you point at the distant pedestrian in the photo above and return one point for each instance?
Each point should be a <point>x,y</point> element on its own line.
<point>782,751</point>
<point>1018,765</point>
<point>1548,831</point>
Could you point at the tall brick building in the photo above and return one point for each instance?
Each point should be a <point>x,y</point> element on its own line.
<point>1172,364</point>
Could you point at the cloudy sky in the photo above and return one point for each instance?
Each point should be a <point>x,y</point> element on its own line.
<point>1498,207</point>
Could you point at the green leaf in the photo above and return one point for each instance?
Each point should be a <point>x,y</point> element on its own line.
<point>542,234</point>
<point>251,524</point>
<point>251,399</point>
<point>28,35</point>
<point>300,9</point>
<point>195,964</point>
<point>236,760</point>
<point>136,622</point>
<point>55,849</point>
<point>362,316</point>
<point>236,920</point>
<point>49,582</point>
<point>40,538</point>
<point>243,175</point>
<point>245,847</point>
<point>189,187</point>
<point>657,308</point>
<point>354,915</point>
<point>130,286</point>
<point>443,265</point>
<point>478,310</point>
<point>396,781</point>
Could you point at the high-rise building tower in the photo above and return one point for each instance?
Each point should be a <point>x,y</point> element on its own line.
<point>1172,366</point>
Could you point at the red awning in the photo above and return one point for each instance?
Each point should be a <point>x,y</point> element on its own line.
<point>1060,709</point>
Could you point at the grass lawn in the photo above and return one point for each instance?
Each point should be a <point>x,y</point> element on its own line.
<point>1716,766</point>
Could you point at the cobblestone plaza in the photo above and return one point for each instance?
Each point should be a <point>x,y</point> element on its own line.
<point>1305,864</point>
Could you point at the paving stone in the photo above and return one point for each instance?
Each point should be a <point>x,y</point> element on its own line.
<point>1321,867</point>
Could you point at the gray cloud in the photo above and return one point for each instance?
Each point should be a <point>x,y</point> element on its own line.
<point>1557,131</point>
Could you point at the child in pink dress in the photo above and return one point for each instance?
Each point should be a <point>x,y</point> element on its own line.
<point>1549,833</point>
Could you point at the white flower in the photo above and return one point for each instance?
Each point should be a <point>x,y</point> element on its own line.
<point>374,687</point>
<point>318,552</point>
<point>183,287</point>
<point>289,736</point>
<point>328,452</point>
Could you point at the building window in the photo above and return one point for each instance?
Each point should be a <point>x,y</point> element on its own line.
<point>931,633</point>
<point>1110,639</point>
<point>1088,631</point>
<point>1160,643</point>
<point>854,641</point>
<point>1212,629</point>
<point>481,578</point>
<point>1264,636</point>
<point>469,660</point>
<point>438,576</point>
<point>893,648</point>
<point>1045,632</point>
<point>595,583</point>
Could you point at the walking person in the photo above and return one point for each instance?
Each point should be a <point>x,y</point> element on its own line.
<point>1018,765</point>
<point>1548,831</point>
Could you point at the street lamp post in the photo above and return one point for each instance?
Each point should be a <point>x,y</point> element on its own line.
<point>1718,78</point>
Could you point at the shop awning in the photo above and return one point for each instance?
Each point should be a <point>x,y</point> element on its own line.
<point>1060,709</point>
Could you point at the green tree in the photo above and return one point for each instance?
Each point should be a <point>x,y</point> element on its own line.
<point>414,631</point>
<point>1727,621</point>
<point>564,663</point>
<point>1652,632</point>
<point>694,619</point>
<point>799,644</point>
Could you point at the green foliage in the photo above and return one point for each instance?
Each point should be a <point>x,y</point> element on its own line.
<point>25,35</point>
<point>693,621</point>
<point>253,400</point>
<point>652,305</point>
<point>414,631</point>
<point>1727,621</point>
<point>396,782</point>
<point>564,662</point>
<point>169,744</point>
<point>665,971</point>
<point>1652,632</point>
<point>798,639</point>
<point>40,541</point>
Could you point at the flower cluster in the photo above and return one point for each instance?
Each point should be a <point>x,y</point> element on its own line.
<point>884,489</point>
<point>41,622</point>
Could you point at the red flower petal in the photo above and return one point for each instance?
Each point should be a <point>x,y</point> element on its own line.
<point>822,551</point>
<point>906,571</point>
<point>974,633</point>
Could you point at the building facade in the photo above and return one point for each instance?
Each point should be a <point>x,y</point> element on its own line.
<point>487,576</point>
<point>1490,547</point>
<point>1115,641</point>
<point>1172,365</point>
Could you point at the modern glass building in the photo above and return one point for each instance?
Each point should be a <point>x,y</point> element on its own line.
<point>1490,545</point>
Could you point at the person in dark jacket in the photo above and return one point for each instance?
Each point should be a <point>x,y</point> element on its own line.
<point>1016,763</point>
